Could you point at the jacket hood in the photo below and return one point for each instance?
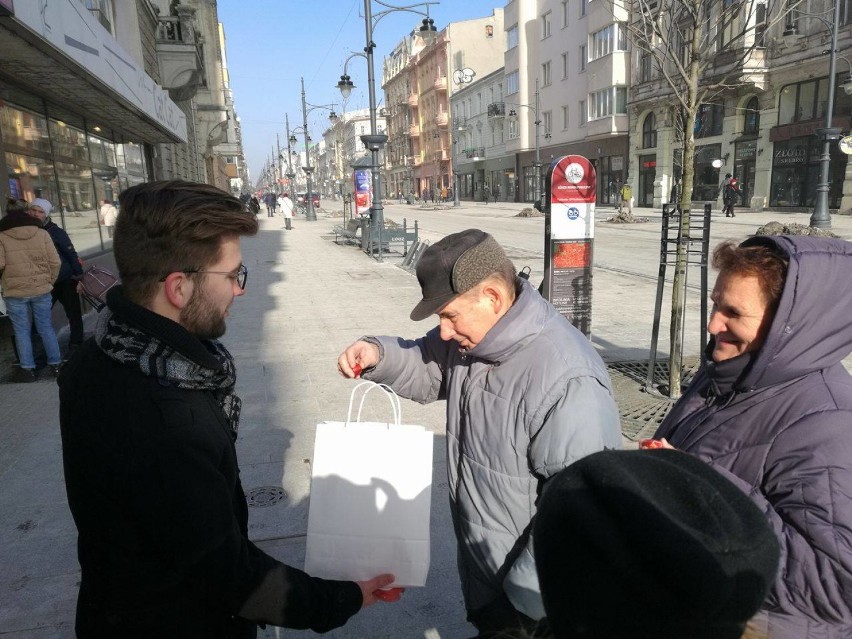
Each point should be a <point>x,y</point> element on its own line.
<point>811,328</point>
<point>17,220</point>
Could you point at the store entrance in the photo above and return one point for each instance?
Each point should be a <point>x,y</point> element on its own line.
<point>744,171</point>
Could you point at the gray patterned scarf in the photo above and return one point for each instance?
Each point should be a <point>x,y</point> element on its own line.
<point>132,347</point>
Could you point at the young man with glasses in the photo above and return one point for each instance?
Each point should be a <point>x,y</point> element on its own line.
<point>149,416</point>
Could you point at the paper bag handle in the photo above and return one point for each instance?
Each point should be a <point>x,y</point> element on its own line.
<point>387,390</point>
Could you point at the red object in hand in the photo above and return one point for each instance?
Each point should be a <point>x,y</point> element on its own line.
<point>389,595</point>
<point>651,444</point>
<point>356,370</point>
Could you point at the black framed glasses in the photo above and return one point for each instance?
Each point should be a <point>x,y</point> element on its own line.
<point>240,276</point>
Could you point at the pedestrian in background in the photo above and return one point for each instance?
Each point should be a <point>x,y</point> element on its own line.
<point>730,192</point>
<point>771,409</point>
<point>70,271</point>
<point>486,193</point>
<point>287,211</point>
<point>254,205</point>
<point>625,198</point>
<point>29,265</point>
<point>518,410</point>
<point>650,544</point>
<point>155,491</point>
<point>675,195</point>
<point>108,215</point>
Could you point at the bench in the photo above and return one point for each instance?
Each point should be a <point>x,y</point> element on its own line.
<point>349,233</point>
<point>392,235</point>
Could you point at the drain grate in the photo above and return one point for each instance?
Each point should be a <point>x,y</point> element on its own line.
<point>265,496</point>
<point>642,412</point>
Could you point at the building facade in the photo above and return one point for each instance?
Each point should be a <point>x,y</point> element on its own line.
<point>763,127</point>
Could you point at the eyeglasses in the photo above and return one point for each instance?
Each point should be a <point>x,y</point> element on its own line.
<point>240,275</point>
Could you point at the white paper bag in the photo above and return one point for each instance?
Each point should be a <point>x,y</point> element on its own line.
<point>371,491</point>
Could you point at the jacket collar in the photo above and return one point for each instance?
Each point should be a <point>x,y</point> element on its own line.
<point>16,219</point>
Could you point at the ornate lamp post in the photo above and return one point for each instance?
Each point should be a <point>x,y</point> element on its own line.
<point>513,117</point>
<point>310,215</point>
<point>374,140</point>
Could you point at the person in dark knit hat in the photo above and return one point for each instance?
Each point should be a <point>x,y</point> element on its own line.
<point>650,544</point>
<point>526,395</point>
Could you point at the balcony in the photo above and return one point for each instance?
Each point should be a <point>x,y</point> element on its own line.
<point>414,131</point>
<point>441,156</point>
<point>497,110</point>
<point>440,83</point>
<point>179,55</point>
<point>474,153</point>
<point>413,99</point>
<point>442,119</point>
<point>459,123</point>
<point>415,160</point>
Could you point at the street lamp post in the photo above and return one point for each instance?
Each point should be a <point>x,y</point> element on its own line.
<point>310,214</point>
<point>513,117</point>
<point>821,217</point>
<point>374,140</point>
<point>458,128</point>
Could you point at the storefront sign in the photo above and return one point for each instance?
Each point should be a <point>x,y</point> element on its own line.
<point>78,35</point>
<point>745,150</point>
<point>788,155</point>
<point>569,226</point>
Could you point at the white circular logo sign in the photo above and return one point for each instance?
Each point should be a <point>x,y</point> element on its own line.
<point>574,173</point>
<point>846,145</point>
<point>573,213</point>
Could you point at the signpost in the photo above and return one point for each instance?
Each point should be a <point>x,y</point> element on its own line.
<point>569,230</point>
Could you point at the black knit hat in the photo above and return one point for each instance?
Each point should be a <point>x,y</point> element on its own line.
<point>650,543</point>
<point>453,266</point>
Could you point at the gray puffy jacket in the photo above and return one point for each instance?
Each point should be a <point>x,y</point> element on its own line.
<point>532,397</point>
<point>778,423</point>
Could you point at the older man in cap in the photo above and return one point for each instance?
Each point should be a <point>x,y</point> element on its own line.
<point>526,395</point>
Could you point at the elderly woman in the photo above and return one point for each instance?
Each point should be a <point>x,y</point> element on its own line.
<point>772,411</point>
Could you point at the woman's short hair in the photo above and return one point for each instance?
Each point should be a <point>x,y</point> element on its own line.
<point>766,262</point>
<point>168,226</point>
<point>16,205</point>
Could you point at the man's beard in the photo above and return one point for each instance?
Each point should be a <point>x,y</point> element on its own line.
<point>201,318</point>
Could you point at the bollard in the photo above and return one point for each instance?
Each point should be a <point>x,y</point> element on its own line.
<point>665,210</point>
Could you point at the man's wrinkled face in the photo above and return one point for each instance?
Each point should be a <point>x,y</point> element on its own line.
<point>213,293</point>
<point>740,318</point>
<point>467,318</point>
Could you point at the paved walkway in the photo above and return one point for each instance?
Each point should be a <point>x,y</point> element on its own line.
<point>307,298</point>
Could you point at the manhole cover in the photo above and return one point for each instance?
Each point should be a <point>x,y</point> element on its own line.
<point>265,496</point>
<point>642,412</point>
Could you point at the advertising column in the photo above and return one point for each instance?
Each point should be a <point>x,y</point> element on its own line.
<point>363,192</point>
<point>569,228</point>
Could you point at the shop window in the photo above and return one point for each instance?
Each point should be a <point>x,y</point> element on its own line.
<point>24,129</point>
<point>751,125</point>
<point>649,131</point>
<point>31,177</point>
<point>68,141</point>
<point>706,179</point>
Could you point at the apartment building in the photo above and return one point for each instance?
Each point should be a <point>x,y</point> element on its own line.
<point>567,73</point>
<point>427,74</point>
<point>763,128</point>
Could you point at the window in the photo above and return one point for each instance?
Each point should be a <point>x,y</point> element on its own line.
<point>512,84</point>
<point>514,128</point>
<point>609,39</point>
<point>546,77</point>
<point>564,66</point>
<point>101,10</point>
<point>845,11</point>
<point>808,100</point>
<point>582,57</point>
<point>583,7</point>
<point>565,117</point>
<point>565,13</point>
<point>583,113</point>
<point>760,16</point>
<point>609,101</point>
<point>545,25</point>
<point>512,37</point>
<point>649,131</point>
<point>547,120</point>
<point>752,117</point>
<point>708,120</point>
<point>646,67</point>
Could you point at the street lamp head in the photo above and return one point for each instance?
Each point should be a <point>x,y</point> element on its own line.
<point>513,115</point>
<point>345,85</point>
<point>428,30</point>
<point>847,86</point>
<point>791,29</point>
<point>292,139</point>
<point>374,142</point>
<point>332,117</point>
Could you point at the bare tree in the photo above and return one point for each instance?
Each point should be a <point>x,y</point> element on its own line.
<point>700,51</point>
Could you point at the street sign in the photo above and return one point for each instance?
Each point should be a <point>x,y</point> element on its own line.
<point>845,145</point>
<point>569,230</point>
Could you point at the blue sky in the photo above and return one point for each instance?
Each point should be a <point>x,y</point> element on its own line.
<point>272,43</point>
